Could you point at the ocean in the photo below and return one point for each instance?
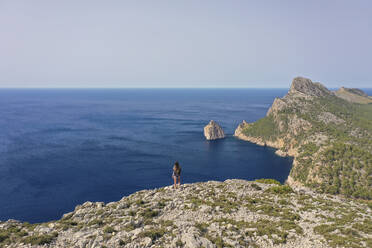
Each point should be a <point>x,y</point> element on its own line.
<point>62,147</point>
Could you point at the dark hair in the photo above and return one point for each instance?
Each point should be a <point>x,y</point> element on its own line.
<point>177,167</point>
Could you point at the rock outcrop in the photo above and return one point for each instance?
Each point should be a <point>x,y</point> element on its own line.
<point>213,131</point>
<point>234,213</point>
<point>353,95</point>
<point>305,86</point>
<point>319,129</point>
<point>239,130</point>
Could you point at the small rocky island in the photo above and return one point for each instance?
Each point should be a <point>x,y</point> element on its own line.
<point>213,131</point>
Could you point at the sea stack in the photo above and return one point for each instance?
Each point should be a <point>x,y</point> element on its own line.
<point>213,131</point>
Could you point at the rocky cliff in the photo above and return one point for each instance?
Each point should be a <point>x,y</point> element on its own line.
<point>234,213</point>
<point>329,137</point>
<point>353,95</point>
<point>213,131</point>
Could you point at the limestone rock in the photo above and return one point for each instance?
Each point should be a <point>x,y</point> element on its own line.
<point>306,123</point>
<point>278,105</point>
<point>353,95</point>
<point>305,86</point>
<point>209,214</point>
<point>354,91</point>
<point>239,129</point>
<point>213,131</point>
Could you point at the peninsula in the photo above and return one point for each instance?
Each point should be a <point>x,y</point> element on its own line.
<point>329,134</point>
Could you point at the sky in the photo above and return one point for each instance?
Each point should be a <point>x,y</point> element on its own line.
<point>207,44</point>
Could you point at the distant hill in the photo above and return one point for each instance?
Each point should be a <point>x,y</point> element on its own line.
<point>353,95</point>
<point>329,135</point>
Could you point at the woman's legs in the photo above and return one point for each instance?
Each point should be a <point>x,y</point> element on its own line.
<point>175,181</point>
<point>179,180</point>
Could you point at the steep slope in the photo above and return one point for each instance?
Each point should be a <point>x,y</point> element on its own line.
<point>329,137</point>
<point>353,95</point>
<point>234,213</point>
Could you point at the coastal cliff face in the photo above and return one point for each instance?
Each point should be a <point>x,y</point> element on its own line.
<point>234,213</point>
<point>330,138</point>
<point>213,131</point>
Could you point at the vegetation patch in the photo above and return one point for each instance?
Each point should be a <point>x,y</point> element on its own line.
<point>109,229</point>
<point>149,213</point>
<point>40,239</point>
<point>338,234</point>
<point>268,181</point>
<point>203,227</point>
<point>96,222</point>
<point>255,186</point>
<point>263,128</point>
<point>154,233</point>
<point>281,189</point>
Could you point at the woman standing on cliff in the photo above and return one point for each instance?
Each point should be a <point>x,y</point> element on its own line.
<point>176,174</point>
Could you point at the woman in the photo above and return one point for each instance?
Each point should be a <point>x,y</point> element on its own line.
<point>176,174</point>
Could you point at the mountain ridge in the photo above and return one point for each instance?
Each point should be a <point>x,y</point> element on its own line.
<point>319,129</point>
<point>353,95</point>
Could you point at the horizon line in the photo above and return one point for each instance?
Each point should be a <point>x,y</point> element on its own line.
<point>156,88</point>
<point>144,88</point>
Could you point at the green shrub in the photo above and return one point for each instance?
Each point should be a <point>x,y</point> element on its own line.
<point>255,186</point>
<point>109,229</point>
<point>140,202</point>
<point>96,222</point>
<point>122,242</point>
<point>179,243</point>
<point>154,234</point>
<point>268,181</point>
<point>40,239</point>
<point>3,236</point>
<point>149,213</point>
<point>203,227</point>
<point>281,189</point>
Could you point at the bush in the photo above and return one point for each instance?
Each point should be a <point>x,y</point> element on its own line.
<point>40,239</point>
<point>154,234</point>
<point>109,229</point>
<point>281,189</point>
<point>3,236</point>
<point>203,227</point>
<point>149,213</point>
<point>96,222</point>
<point>255,186</point>
<point>268,181</point>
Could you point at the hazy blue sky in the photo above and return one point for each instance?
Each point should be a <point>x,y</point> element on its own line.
<point>75,43</point>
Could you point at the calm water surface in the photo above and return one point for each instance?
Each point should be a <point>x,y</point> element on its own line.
<point>60,148</point>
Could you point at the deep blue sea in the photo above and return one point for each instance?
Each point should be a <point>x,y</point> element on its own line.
<point>62,147</point>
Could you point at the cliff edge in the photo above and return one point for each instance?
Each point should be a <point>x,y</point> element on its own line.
<point>234,213</point>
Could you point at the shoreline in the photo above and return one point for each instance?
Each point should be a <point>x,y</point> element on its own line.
<point>276,145</point>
